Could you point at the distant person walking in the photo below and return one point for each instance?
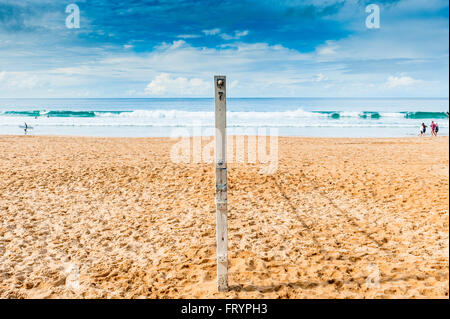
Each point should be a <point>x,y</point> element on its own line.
<point>433,128</point>
<point>423,129</point>
<point>436,129</point>
<point>25,127</point>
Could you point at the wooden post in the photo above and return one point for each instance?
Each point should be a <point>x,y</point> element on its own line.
<point>221,182</point>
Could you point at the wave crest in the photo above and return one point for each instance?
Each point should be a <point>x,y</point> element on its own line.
<point>179,114</point>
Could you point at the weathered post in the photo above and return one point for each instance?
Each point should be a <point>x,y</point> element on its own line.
<point>221,182</point>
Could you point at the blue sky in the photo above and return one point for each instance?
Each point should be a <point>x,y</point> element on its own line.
<point>142,48</point>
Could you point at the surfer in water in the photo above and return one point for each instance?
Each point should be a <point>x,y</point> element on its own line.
<point>25,128</point>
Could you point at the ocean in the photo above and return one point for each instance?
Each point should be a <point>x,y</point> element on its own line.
<point>152,117</point>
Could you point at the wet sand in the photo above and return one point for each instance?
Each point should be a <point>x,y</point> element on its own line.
<point>116,218</point>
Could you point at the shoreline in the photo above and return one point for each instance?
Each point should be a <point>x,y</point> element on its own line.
<point>229,135</point>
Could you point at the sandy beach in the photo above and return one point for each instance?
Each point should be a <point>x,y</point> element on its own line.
<point>88,217</point>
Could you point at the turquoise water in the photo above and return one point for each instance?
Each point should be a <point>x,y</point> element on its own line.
<point>165,117</point>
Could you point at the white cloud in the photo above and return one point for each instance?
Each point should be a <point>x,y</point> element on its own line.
<point>329,48</point>
<point>233,84</point>
<point>253,69</point>
<point>29,82</point>
<point>179,69</point>
<point>320,77</point>
<point>241,33</point>
<point>174,45</point>
<point>188,36</point>
<point>237,35</point>
<point>127,46</point>
<point>212,31</point>
<point>164,84</point>
<point>43,83</point>
<point>20,80</point>
<point>76,70</point>
<point>394,81</point>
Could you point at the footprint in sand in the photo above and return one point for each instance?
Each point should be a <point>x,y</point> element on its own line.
<point>439,170</point>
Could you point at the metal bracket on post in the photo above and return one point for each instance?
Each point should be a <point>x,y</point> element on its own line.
<point>221,182</point>
<point>222,259</point>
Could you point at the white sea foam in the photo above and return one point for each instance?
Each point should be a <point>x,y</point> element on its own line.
<point>179,118</point>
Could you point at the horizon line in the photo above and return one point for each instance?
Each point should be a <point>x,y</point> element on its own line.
<point>248,97</point>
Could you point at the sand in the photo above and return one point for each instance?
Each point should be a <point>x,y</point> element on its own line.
<point>115,218</point>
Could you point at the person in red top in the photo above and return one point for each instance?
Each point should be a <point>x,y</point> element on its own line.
<point>433,128</point>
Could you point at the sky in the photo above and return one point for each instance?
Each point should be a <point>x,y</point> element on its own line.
<point>164,48</point>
